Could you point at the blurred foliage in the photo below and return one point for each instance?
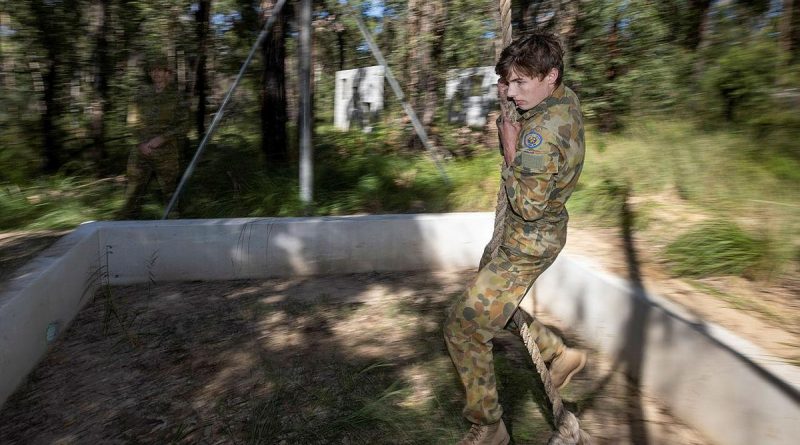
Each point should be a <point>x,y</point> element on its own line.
<point>692,105</point>
<point>717,247</point>
<point>58,203</point>
<point>722,62</point>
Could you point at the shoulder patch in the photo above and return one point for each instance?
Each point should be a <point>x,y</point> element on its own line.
<point>532,139</point>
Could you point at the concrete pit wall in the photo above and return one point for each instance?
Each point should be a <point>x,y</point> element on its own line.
<point>720,384</point>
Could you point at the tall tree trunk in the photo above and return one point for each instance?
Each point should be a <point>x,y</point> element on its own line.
<point>305,118</point>
<point>698,23</point>
<point>52,141</point>
<point>340,44</point>
<point>273,90</point>
<point>201,80</point>
<point>794,33</point>
<point>6,60</point>
<point>609,120</point>
<point>567,27</point>
<point>52,144</point>
<point>699,33</point>
<point>785,27</point>
<point>103,66</point>
<point>436,11</point>
<point>413,38</point>
<point>426,38</point>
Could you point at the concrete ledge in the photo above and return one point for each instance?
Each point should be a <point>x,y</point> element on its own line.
<point>41,301</point>
<point>716,382</point>
<point>228,249</point>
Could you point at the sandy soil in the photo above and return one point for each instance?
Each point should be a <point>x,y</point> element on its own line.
<point>354,359</point>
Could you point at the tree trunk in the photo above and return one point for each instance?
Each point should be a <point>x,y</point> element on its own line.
<point>201,80</point>
<point>52,141</point>
<point>567,27</point>
<point>609,120</point>
<point>427,24</point>
<point>437,17</point>
<point>699,22</point>
<point>698,37</point>
<point>273,90</point>
<point>785,27</point>
<point>340,46</point>
<point>6,60</point>
<point>305,121</point>
<point>103,68</point>
<point>794,33</point>
<point>52,146</point>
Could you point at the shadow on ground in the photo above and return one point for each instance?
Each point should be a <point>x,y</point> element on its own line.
<point>356,359</point>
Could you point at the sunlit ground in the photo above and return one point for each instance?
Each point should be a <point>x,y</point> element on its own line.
<point>353,359</point>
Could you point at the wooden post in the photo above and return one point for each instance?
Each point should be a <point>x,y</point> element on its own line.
<point>305,119</point>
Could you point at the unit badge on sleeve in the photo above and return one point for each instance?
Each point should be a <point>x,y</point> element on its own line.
<point>532,139</point>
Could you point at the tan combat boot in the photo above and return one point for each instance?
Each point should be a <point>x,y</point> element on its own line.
<point>494,434</point>
<point>567,363</point>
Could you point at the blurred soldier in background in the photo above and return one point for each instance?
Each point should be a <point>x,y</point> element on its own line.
<point>158,125</point>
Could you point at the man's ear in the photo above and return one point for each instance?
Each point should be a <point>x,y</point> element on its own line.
<point>552,76</point>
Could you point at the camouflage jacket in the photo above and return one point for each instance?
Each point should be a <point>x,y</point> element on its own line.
<point>543,175</point>
<point>158,113</point>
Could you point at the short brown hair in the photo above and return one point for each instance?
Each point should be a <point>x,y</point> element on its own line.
<point>533,55</point>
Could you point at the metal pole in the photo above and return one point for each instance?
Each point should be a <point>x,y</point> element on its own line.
<point>305,117</point>
<point>218,116</point>
<point>423,136</point>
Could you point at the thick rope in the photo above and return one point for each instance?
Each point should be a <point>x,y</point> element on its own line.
<point>508,113</point>
<point>568,430</point>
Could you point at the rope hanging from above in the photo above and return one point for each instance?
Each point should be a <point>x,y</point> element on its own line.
<point>567,426</point>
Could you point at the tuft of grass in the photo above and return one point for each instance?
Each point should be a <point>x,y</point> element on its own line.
<point>717,247</point>
<point>58,203</point>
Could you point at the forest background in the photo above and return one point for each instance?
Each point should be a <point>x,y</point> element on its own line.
<point>693,109</point>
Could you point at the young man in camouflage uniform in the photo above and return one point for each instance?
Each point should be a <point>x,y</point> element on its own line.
<point>543,150</point>
<point>158,125</point>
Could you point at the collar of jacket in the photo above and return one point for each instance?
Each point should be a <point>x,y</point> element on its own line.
<point>551,100</point>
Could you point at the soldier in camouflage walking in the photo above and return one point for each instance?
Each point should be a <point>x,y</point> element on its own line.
<point>158,124</point>
<point>543,150</point>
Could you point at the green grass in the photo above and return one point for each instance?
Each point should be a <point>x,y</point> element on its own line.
<point>674,168</point>
<point>716,248</point>
<point>710,167</point>
<point>58,203</point>
<point>726,174</point>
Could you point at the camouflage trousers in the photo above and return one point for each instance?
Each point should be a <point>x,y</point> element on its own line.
<point>481,313</point>
<point>162,164</point>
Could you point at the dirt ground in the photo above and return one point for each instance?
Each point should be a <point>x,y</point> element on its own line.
<point>348,359</point>
<point>352,359</point>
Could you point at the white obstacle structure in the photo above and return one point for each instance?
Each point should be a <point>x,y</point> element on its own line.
<point>471,93</point>
<point>359,97</point>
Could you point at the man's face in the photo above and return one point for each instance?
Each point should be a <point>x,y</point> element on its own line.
<point>161,77</point>
<point>528,92</point>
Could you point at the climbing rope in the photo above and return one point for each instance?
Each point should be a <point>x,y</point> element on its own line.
<point>567,426</point>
